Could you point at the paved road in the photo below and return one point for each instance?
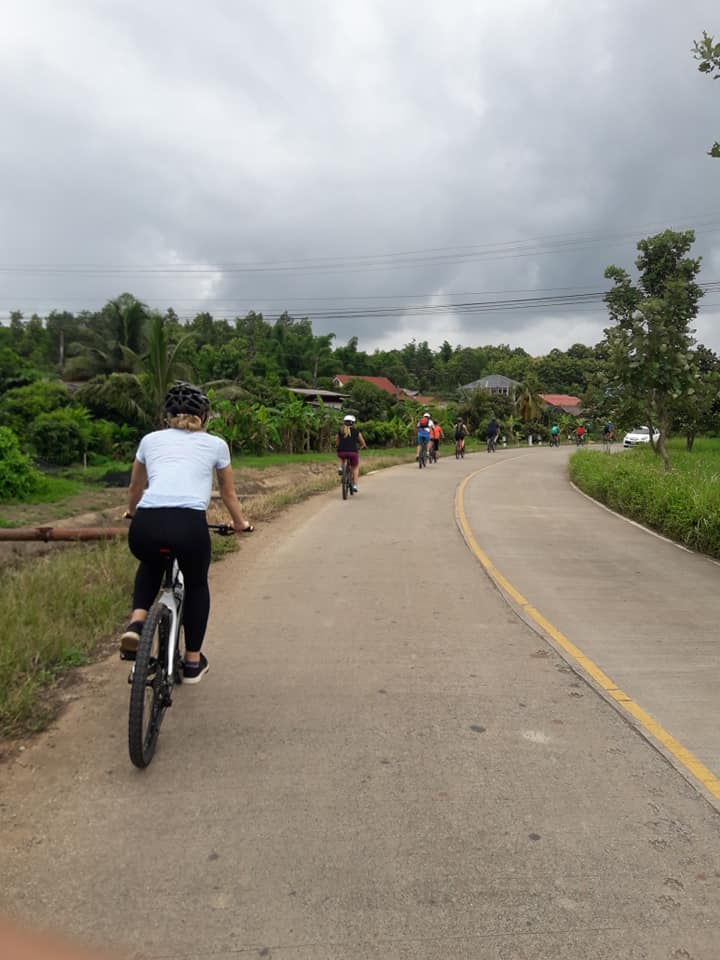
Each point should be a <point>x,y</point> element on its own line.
<point>385,761</point>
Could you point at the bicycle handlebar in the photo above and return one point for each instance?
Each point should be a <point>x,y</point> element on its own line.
<point>221,529</point>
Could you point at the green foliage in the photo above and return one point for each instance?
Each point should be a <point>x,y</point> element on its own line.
<point>649,355</point>
<point>18,477</point>
<point>683,505</point>
<point>367,401</point>
<point>20,406</point>
<point>707,52</point>
<point>14,370</point>
<point>288,425</point>
<point>118,397</point>
<point>61,437</point>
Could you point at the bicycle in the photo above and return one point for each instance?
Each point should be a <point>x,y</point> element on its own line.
<point>491,444</point>
<point>423,455</point>
<point>432,453</point>
<point>158,662</point>
<point>346,479</point>
<point>608,439</point>
<point>459,449</point>
<point>554,440</point>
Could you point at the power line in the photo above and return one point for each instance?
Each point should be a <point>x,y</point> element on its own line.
<point>433,256</point>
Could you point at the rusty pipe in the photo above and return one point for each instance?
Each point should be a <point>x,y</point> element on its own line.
<point>48,534</point>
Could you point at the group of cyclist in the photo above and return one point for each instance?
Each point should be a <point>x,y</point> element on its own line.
<point>169,493</point>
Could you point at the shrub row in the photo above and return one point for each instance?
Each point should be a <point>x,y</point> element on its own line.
<point>684,504</point>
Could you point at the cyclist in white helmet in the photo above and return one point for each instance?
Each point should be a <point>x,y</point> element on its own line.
<point>424,426</point>
<point>349,441</point>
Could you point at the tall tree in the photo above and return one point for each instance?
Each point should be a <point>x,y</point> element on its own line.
<point>708,53</point>
<point>649,345</point>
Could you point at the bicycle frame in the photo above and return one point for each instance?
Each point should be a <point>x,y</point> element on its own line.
<point>172,594</point>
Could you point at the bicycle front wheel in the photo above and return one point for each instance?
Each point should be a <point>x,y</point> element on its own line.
<point>149,693</point>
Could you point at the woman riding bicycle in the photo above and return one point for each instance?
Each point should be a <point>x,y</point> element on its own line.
<point>460,433</point>
<point>169,493</point>
<point>349,441</point>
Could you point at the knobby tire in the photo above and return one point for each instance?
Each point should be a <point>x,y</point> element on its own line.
<point>150,672</point>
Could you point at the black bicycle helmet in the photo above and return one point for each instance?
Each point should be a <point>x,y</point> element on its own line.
<point>185,398</point>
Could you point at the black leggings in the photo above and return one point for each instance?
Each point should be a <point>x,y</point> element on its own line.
<point>185,532</point>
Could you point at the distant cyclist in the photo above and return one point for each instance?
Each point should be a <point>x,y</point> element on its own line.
<point>436,435</point>
<point>554,435</point>
<point>492,433</point>
<point>349,441</point>
<point>461,432</point>
<point>608,432</point>
<point>424,425</point>
<point>580,435</point>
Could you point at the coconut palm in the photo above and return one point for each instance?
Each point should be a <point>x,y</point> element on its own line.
<point>103,343</point>
<point>160,364</point>
<point>528,403</point>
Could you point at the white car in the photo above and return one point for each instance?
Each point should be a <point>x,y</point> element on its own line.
<point>639,435</point>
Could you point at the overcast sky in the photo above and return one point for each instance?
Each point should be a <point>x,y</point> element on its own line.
<point>268,154</point>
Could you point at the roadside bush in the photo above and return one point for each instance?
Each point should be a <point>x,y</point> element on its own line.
<point>20,407</point>
<point>61,437</point>
<point>18,477</point>
<point>684,505</point>
<point>377,433</point>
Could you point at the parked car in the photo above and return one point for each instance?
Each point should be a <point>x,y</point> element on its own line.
<point>639,435</point>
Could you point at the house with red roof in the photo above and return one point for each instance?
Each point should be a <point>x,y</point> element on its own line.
<point>382,383</point>
<point>563,403</point>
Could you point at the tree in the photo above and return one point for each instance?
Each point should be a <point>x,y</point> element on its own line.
<point>161,362</point>
<point>368,401</point>
<point>708,53</point>
<point>649,346</point>
<point>695,410</point>
<point>529,405</point>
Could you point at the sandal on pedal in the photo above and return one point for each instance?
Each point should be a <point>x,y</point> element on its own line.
<point>249,529</point>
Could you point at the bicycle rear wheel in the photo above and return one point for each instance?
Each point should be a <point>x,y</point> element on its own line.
<point>149,693</point>
<point>345,480</point>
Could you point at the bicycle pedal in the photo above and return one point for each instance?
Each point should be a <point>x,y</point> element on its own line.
<point>131,675</point>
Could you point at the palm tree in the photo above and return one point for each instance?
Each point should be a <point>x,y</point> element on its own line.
<point>528,403</point>
<point>161,363</point>
<point>102,344</point>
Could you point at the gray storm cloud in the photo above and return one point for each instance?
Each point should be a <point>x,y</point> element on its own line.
<point>300,136</point>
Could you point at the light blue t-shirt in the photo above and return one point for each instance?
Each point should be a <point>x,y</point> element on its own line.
<point>180,466</point>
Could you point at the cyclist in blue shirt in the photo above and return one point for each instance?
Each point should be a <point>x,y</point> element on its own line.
<point>423,432</point>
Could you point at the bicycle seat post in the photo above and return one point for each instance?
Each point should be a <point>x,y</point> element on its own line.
<point>169,558</point>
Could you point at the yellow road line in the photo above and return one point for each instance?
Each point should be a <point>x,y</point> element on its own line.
<point>680,753</point>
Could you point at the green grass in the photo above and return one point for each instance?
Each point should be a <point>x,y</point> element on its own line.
<point>53,489</point>
<point>683,504</point>
<point>55,609</point>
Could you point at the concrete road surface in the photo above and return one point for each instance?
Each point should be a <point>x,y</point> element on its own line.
<point>385,761</point>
